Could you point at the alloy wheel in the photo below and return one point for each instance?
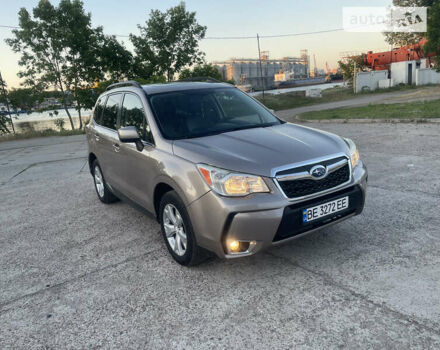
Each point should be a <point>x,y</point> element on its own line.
<point>174,229</point>
<point>99,182</point>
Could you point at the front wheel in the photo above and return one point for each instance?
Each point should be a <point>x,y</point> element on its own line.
<point>177,230</point>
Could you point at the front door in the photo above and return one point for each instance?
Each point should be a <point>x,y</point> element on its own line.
<point>135,167</point>
<point>410,73</point>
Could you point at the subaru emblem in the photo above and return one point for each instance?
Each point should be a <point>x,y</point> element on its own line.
<point>318,171</point>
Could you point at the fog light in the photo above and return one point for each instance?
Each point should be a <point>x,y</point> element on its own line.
<point>236,247</point>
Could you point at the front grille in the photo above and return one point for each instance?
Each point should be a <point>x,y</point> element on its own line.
<point>305,187</point>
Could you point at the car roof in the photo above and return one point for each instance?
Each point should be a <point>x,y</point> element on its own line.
<point>151,89</point>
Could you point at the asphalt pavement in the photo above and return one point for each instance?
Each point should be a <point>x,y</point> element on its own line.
<point>76,273</point>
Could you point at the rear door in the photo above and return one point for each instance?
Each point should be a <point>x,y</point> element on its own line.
<point>135,168</point>
<point>94,128</point>
<point>108,138</point>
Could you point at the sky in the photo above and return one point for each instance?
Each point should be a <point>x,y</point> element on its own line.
<point>224,18</point>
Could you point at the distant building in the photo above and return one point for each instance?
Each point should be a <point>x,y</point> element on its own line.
<point>246,71</point>
<point>49,102</point>
<point>415,72</point>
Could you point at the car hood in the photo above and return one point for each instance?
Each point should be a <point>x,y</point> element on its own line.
<point>259,150</point>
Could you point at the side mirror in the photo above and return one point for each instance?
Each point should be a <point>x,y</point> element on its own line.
<point>130,134</point>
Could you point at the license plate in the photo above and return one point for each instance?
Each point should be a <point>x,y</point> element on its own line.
<point>325,209</point>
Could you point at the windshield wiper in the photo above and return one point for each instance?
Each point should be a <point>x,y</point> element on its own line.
<point>251,126</point>
<point>217,132</point>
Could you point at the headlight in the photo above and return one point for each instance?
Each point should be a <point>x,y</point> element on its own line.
<point>228,183</point>
<point>354,153</point>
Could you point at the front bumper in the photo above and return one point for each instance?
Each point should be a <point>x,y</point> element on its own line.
<point>268,219</point>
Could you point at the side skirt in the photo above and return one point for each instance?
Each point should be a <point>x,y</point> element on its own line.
<point>134,204</point>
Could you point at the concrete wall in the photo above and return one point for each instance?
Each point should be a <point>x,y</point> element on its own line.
<point>369,80</point>
<point>427,76</point>
<point>399,71</point>
<point>421,74</point>
<point>385,84</point>
<point>315,93</point>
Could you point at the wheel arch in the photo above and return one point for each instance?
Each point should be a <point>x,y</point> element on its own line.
<point>159,191</point>
<point>163,185</point>
<point>92,158</point>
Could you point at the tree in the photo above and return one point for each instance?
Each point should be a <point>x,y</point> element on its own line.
<point>433,34</point>
<point>23,98</point>
<point>92,55</point>
<point>168,43</point>
<point>60,48</point>
<point>347,67</point>
<point>41,43</point>
<point>86,97</point>
<point>3,118</point>
<point>404,38</point>
<point>115,61</point>
<point>106,58</point>
<point>81,43</point>
<point>201,70</point>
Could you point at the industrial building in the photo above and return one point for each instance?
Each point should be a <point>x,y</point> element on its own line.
<point>405,72</point>
<point>405,65</point>
<point>247,71</point>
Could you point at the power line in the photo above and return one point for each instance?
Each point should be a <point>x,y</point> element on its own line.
<point>232,37</point>
<point>10,27</point>
<point>274,36</point>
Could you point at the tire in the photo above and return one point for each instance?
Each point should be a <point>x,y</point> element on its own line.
<point>102,190</point>
<point>188,254</point>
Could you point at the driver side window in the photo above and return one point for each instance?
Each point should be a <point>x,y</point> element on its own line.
<point>132,114</point>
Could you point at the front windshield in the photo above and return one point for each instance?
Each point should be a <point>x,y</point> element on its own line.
<point>197,113</point>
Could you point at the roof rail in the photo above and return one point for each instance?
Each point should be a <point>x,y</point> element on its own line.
<point>124,83</point>
<point>201,79</point>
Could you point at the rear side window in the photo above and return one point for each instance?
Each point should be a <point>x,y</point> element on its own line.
<point>110,113</point>
<point>132,114</point>
<point>98,110</point>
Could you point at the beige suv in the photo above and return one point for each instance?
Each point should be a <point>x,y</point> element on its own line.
<point>218,170</point>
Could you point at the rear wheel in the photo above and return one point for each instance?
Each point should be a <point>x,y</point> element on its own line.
<point>102,190</point>
<point>177,230</point>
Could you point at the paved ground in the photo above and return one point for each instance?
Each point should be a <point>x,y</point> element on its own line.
<point>76,273</point>
<point>420,94</point>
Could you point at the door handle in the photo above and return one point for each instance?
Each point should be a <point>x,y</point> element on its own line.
<point>116,147</point>
<point>97,138</point>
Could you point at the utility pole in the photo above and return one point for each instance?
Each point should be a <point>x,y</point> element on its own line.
<point>2,83</point>
<point>391,62</point>
<point>261,67</point>
<point>315,70</point>
<point>354,77</point>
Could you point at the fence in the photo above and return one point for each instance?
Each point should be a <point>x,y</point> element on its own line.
<point>369,80</point>
<point>427,76</point>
